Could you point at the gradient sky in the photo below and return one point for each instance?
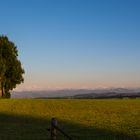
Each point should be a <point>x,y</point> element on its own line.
<point>75,43</point>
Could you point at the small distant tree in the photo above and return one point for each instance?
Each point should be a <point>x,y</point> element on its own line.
<point>11,71</point>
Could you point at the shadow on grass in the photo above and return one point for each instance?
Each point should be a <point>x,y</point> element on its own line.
<point>15,127</point>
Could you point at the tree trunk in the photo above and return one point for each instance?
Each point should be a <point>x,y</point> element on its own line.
<point>2,92</point>
<point>2,89</point>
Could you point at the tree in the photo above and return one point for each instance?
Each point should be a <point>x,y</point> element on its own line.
<point>11,71</point>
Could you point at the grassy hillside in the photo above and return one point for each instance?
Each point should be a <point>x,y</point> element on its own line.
<point>29,119</point>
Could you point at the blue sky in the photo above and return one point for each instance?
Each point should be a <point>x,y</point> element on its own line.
<point>75,43</point>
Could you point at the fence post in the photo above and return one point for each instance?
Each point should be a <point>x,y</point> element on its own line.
<point>53,129</point>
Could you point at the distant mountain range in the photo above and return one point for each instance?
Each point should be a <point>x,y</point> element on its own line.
<point>79,93</point>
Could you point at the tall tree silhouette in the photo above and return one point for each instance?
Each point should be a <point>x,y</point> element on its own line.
<point>11,71</point>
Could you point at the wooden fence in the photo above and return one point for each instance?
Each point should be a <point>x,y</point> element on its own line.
<point>54,129</point>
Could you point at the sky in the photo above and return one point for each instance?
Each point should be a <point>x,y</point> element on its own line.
<point>75,43</point>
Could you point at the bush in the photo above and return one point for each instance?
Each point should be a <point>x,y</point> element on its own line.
<point>7,95</point>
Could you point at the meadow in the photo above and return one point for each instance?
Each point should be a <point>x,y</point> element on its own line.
<point>110,119</point>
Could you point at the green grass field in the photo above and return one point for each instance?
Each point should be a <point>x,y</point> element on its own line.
<point>29,119</point>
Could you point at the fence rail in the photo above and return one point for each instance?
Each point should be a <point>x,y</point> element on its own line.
<point>54,128</point>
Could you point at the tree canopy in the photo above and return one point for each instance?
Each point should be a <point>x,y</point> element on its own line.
<point>11,71</point>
